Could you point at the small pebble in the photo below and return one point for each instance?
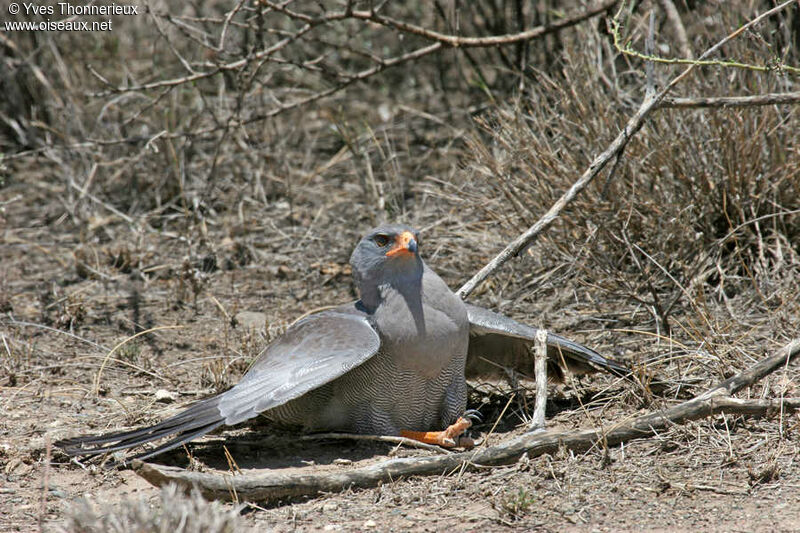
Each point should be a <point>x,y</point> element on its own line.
<point>369,524</point>
<point>165,396</point>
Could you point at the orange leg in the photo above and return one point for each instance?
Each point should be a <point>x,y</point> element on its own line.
<point>449,438</point>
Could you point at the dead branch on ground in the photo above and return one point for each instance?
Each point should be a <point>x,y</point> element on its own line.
<point>272,485</point>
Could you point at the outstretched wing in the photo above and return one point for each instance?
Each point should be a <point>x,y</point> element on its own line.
<point>498,342</point>
<point>315,350</point>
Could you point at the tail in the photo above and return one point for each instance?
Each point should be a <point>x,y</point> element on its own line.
<point>199,419</point>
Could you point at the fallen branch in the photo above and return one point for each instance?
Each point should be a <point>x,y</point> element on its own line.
<point>271,485</point>
<point>756,372</point>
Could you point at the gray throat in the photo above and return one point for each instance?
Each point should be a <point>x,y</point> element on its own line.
<point>405,283</point>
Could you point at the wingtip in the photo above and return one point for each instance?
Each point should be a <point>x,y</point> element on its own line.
<point>589,356</point>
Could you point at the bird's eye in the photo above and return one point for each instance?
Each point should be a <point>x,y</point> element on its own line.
<point>381,239</point>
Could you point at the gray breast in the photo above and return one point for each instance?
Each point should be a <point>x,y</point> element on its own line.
<point>415,382</point>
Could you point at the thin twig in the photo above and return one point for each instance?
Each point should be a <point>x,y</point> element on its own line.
<point>734,101</point>
<point>674,18</point>
<point>702,60</point>
<point>521,243</point>
<point>440,40</point>
<point>108,357</point>
<point>649,67</point>
<point>45,482</point>
<point>455,41</point>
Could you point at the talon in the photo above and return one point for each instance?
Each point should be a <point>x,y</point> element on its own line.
<point>473,414</point>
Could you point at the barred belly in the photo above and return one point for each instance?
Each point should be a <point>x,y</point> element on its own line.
<point>379,398</point>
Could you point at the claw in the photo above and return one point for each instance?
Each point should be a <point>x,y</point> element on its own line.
<point>473,414</point>
<point>465,442</point>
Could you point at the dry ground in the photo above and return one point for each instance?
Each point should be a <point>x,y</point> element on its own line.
<point>727,473</point>
<point>683,262</point>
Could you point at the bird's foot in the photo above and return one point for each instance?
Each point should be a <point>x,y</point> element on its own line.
<point>452,437</point>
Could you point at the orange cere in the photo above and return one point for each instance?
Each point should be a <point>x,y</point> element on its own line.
<point>403,244</point>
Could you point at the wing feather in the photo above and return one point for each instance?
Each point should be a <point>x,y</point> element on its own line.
<point>498,342</point>
<point>315,350</point>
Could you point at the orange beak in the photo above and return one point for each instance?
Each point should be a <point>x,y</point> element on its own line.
<point>405,244</point>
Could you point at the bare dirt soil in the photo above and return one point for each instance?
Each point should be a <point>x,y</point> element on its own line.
<point>727,473</point>
<point>158,229</point>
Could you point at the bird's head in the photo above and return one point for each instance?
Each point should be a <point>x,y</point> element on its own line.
<point>386,255</point>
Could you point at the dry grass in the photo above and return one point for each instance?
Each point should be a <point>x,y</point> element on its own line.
<point>684,260</point>
<point>174,512</point>
<point>694,230</point>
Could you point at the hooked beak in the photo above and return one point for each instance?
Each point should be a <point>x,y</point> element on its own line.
<point>405,244</point>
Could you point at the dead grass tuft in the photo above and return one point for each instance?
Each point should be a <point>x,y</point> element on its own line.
<point>175,511</point>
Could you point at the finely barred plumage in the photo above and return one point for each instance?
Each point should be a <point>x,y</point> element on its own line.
<point>378,400</point>
<point>416,380</point>
<point>392,363</point>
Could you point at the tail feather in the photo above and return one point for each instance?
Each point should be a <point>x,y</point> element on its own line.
<point>197,420</point>
<point>179,440</point>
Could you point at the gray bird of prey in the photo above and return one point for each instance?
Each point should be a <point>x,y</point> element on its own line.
<point>393,363</point>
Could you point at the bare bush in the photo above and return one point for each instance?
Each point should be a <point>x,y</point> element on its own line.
<point>703,207</point>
